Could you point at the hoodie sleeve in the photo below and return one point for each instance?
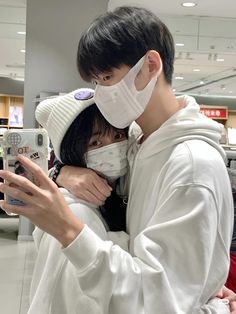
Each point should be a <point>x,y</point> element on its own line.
<point>154,278</point>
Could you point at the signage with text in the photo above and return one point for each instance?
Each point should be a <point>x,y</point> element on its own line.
<point>215,112</point>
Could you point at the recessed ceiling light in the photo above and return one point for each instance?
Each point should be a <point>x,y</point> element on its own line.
<point>220,60</point>
<point>174,90</point>
<point>189,4</point>
<point>179,44</point>
<point>22,50</point>
<point>202,82</point>
<point>196,70</point>
<point>179,78</point>
<point>21,33</point>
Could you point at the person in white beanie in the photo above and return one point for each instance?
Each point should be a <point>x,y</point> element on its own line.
<point>80,137</point>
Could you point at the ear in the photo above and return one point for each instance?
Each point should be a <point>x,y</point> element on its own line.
<point>153,62</point>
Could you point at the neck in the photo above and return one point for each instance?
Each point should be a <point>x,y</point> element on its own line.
<point>162,105</point>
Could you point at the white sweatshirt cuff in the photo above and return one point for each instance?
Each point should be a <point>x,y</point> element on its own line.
<point>83,251</point>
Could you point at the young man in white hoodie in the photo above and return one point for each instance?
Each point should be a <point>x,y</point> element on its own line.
<point>180,210</point>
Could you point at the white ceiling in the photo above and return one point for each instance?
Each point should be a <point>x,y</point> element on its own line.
<point>208,32</point>
<point>12,20</point>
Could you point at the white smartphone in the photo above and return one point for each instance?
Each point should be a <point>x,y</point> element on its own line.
<point>32,143</point>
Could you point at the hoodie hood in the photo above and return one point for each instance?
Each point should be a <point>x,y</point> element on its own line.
<point>186,124</point>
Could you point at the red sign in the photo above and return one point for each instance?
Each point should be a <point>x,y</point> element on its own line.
<point>215,112</point>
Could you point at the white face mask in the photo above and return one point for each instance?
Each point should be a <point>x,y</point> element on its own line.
<point>122,103</point>
<point>110,161</point>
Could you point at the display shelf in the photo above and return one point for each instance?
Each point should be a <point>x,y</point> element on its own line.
<point>225,116</point>
<point>11,111</point>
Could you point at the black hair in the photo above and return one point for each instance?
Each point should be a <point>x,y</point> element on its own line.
<point>73,148</point>
<point>122,37</point>
<point>75,142</point>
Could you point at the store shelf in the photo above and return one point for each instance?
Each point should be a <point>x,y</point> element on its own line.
<point>11,111</point>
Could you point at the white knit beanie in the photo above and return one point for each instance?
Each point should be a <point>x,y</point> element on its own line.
<point>57,114</point>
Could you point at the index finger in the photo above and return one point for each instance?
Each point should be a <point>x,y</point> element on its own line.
<point>36,171</point>
<point>102,187</point>
<point>233,307</point>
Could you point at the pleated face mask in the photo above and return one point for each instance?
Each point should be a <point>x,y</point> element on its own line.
<point>122,103</point>
<point>110,161</point>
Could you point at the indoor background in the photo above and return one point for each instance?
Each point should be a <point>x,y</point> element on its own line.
<point>38,45</point>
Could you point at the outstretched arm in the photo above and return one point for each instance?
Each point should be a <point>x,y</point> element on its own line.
<point>42,203</point>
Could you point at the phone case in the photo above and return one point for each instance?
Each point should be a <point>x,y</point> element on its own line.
<point>32,143</point>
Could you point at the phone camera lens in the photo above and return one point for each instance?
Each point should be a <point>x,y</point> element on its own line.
<point>40,139</point>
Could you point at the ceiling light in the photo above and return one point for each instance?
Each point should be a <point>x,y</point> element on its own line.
<point>22,50</point>
<point>179,44</point>
<point>196,70</point>
<point>21,33</point>
<point>189,4</point>
<point>179,78</point>
<point>174,90</point>
<point>202,82</point>
<point>220,60</point>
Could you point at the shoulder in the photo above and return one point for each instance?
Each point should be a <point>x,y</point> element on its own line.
<point>196,162</point>
<point>198,151</point>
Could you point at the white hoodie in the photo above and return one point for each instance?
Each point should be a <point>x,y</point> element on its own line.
<point>179,218</point>
<point>179,257</point>
<point>55,287</point>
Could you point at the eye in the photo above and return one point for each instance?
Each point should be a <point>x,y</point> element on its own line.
<point>106,78</point>
<point>120,135</point>
<point>94,144</point>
